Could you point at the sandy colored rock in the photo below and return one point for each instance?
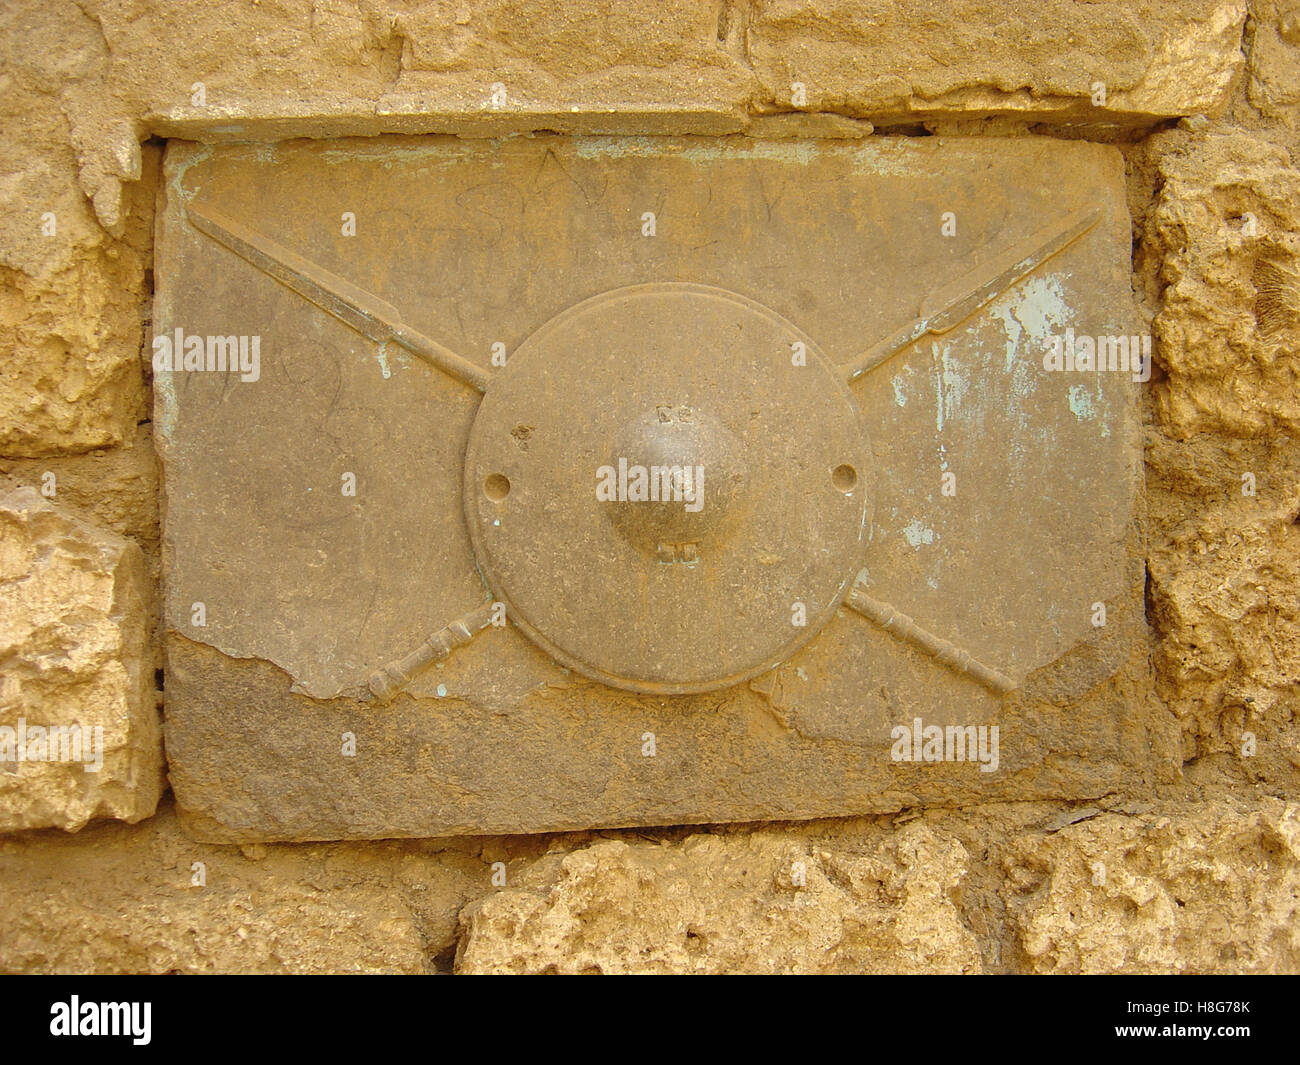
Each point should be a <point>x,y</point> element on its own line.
<point>1224,227</point>
<point>69,346</point>
<point>583,56</point>
<point>889,59</point>
<point>1206,886</point>
<point>74,240</point>
<point>343,68</point>
<point>380,67</point>
<point>74,636</point>
<point>1273,84</point>
<point>766,902</point>
<point>115,488</point>
<point>1223,464</point>
<point>1191,889</point>
<point>119,899</point>
<point>1223,598</point>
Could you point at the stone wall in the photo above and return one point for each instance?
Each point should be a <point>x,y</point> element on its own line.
<point>1202,96</point>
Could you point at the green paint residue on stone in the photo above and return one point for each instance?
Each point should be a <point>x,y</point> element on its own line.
<point>916,533</point>
<point>900,397</point>
<point>1081,402</point>
<point>1035,311</point>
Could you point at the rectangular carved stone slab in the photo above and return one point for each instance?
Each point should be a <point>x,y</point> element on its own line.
<point>316,527</point>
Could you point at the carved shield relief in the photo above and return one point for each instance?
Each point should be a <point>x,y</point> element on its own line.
<point>555,483</point>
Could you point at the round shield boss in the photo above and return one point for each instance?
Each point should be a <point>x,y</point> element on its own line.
<point>668,487</point>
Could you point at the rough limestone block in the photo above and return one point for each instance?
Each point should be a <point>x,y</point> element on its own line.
<point>1203,886</point>
<point>1192,888</point>
<point>764,902</point>
<point>1220,247</point>
<point>1223,598</point>
<point>1273,84</point>
<point>339,68</point>
<point>147,899</point>
<point>1224,229</point>
<point>69,345</point>
<point>884,59</point>
<point>80,736</point>
<point>70,292</point>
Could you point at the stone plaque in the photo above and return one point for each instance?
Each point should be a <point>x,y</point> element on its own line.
<point>556,483</point>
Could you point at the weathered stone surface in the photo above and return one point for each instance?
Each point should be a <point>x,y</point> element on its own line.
<point>1224,229</point>
<point>70,317</point>
<point>71,294</point>
<point>891,60</point>
<point>500,739</point>
<point>579,57</point>
<point>114,899</point>
<point>1189,889</point>
<point>343,68</point>
<point>764,902</point>
<point>1219,260</point>
<point>1223,597</point>
<point>335,68</point>
<point>74,610</point>
<point>1186,886</point>
<point>115,488</point>
<point>1273,84</point>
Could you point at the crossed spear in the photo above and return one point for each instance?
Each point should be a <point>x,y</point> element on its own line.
<point>943,309</point>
